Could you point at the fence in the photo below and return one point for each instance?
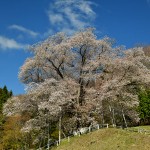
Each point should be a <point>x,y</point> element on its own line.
<point>78,133</point>
<point>97,127</point>
<point>139,130</point>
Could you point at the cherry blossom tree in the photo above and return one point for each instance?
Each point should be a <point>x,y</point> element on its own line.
<point>74,76</point>
<point>122,79</point>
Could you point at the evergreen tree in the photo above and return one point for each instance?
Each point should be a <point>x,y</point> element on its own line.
<point>4,95</point>
<point>144,106</point>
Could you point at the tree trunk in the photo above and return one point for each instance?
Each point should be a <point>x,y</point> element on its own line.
<point>60,126</point>
<point>112,115</point>
<point>81,94</point>
<point>124,118</point>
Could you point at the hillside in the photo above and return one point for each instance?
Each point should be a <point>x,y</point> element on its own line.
<point>108,139</point>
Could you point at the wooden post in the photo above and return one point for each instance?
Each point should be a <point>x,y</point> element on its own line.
<point>107,125</point>
<point>57,143</point>
<point>68,139</point>
<point>79,132</point>
<point>89,128</point>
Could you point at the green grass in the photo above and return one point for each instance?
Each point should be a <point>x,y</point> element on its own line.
<point>108,139</point>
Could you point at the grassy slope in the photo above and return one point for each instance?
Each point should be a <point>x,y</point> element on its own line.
<point>108,139</point>
<point>143,127</point>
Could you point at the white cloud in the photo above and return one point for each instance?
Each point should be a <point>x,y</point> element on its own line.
<point>73,18</point>
<point>6,43</point>
<point>71,15</point>
<point>55,18</point>
<point>23,29</point>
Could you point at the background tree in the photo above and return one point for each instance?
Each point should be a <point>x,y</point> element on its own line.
<point>146,50</point>
<point>144,106</point>
<point>122,80</point>
<point>4,95</point>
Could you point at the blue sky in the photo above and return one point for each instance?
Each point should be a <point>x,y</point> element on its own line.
<point>25,22</point>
